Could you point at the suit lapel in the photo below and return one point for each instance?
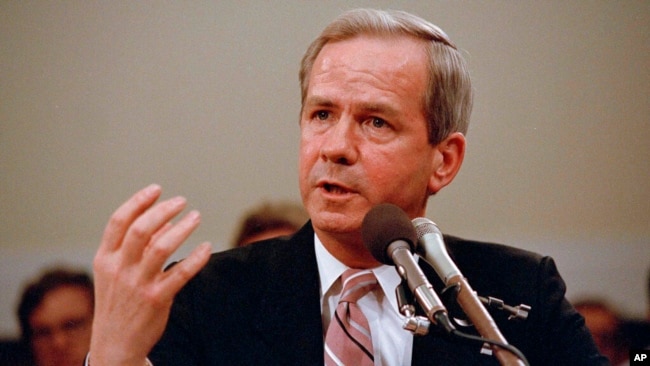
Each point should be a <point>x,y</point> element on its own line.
<point>289,319</point>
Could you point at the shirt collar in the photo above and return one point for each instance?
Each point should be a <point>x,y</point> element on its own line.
<point>330,269</point>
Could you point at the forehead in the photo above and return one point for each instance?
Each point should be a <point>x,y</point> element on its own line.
<point>395,53</point>
<point>396,66</point>
<point>61,304</point>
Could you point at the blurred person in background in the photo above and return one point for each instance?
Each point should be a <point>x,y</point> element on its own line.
<point>269,220</point>
<point>604,323</point>
<point>55,315</point>
<point>614,333</point>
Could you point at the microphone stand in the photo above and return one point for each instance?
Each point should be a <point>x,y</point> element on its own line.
<point>482,320</point>
<point>451,276</point>
<point>419,325</point>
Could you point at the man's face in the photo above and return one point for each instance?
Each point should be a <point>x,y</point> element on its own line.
<point>61,327</point>
<point>364,133</point>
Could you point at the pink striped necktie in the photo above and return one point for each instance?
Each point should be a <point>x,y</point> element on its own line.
<point>347,341</point>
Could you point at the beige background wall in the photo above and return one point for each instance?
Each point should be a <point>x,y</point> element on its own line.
<point>98,99</point>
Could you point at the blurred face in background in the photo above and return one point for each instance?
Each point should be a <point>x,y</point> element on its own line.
<point>61,327</point>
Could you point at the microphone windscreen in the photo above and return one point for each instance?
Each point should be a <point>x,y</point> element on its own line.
<point>383,225</point>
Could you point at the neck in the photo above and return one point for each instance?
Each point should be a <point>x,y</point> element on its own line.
<point>348,248</point>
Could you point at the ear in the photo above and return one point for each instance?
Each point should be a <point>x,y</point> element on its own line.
<point>448,157</point>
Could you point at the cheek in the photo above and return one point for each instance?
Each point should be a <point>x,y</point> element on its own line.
<point>306,160</point>
<point>308,152</point>
<point>403,176</point>
<point>42,350</point>
<point>382,174</point>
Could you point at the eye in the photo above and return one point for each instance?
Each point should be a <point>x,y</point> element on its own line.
<point>322,115</point>
<point>378,122</point>
<point>41,332</point>
<point>73,324</point>
<point>378,129</point>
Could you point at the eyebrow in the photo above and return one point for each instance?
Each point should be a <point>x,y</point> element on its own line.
<point>368,107</point>
<point>318,101</point>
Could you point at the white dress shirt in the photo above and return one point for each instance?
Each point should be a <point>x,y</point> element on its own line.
<point>392,344</point>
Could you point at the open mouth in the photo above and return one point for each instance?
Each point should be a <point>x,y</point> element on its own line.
<point>335,189</point>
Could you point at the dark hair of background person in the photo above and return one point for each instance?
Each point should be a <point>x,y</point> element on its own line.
<point>604,321</point>
<point>270,219</point>
<point>49,280</point>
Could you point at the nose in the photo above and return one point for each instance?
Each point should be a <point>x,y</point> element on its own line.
<point>60,340</point>
<point>340,144</point>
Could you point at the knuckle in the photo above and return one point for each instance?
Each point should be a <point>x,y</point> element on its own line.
<point>154,296</point>
<point>184,273</point>
<point>158,251</point>
<point>98,263</point>
<point>104,267</point>
<point>116,220</point>
<point>138,232</point>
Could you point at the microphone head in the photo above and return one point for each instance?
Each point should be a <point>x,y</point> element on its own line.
<point>383,225</point>
<point>424,226</point>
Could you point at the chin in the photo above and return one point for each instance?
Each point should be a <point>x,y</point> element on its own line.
<point>335,222</point>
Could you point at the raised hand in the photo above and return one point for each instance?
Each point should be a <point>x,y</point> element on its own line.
<point>133,296</point>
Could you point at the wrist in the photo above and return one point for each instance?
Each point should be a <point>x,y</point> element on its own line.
<point>87,361</point>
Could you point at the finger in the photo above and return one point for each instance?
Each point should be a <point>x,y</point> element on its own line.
<point>161,232</point>
<point>123,217</point>
<point>178,275</point>
<point>159,250</point>
<point>146,225</point>
<point>166,227</point>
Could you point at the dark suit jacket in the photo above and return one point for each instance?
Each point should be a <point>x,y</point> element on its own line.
<point>259,305</point>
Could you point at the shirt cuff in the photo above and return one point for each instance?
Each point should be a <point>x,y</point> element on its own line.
<point>87,361</point>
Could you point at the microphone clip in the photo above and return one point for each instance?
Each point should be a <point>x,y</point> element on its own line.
<point>519,312</point>
<point>416,324</point>
<point>449,296</point>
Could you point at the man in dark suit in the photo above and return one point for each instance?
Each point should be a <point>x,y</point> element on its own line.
<point>386,99</point>
<point>275,318</point>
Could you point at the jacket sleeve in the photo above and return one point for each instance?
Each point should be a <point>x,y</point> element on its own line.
<point>558,327</point>
<point>178,345</point>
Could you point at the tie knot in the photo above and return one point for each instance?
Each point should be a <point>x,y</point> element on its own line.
<point>356,283</point>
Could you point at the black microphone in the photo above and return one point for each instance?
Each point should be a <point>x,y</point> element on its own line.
<point>389,235</point>
<point>432,247</point>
